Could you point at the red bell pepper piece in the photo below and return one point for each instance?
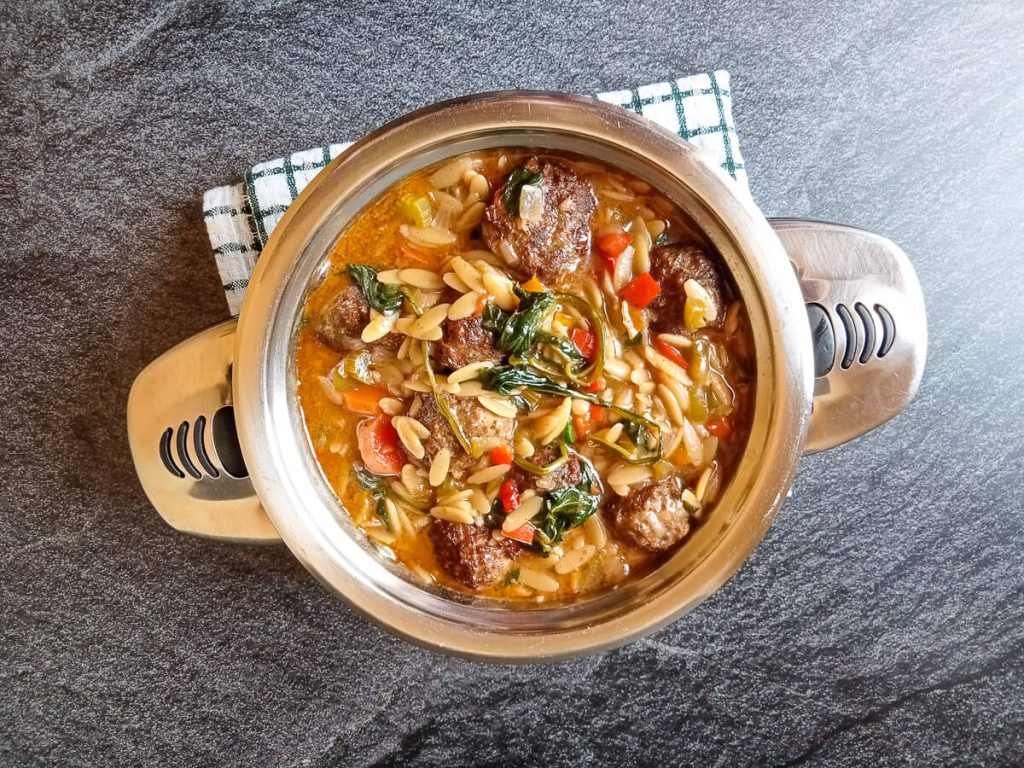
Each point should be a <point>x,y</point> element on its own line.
<point>509,495</point>
<point>719,427</point>
<point>585,341</point>
<point>523,533</point>
<point>502,454</point>
<point>671,353</point>
<point>612,244</point>
<point>640,291</point>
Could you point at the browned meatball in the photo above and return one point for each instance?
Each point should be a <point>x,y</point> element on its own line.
<point>441,435</point>
<point>567,475</point>
<point>553,246</point>
<point>342,320</point>
<point>470,554</point>
<point>672,266</point>
<point>653,517</point>
<point>340,323</point>
<point>478,423</point>
<point>465,341</point>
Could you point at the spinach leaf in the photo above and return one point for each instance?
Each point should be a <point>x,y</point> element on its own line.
<point>515,331</point>
<point>514,185</point>
<point>637,433</point>
<point>382,297</point>
<point>569,350</point>
<point>377,486</point>
<point>568,508</point>
<point>507,380</point>
<point>637,449</point>
<point>513,380</point>
<point>494,318</point>
<point>495,515</point>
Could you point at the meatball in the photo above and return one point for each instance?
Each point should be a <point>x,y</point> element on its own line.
<point>566,476</point>
<point>554,243</point>
<point>478,423</point>
<point>441,435</point>
<point>342,319</point>
<point>672,266</point>
<point>470,554</point>
<point>340,323</point>
<point>653,517</point>
<point>465,341</point>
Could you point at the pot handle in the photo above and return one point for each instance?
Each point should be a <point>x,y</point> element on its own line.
<point>181,429</point>
<point>868,326</point>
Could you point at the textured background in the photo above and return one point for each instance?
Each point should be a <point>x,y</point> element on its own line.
<point>882,619</point>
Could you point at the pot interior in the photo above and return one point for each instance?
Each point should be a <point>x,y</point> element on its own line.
<point>304,507</point>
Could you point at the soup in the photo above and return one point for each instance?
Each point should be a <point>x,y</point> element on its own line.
<point>526,376</point>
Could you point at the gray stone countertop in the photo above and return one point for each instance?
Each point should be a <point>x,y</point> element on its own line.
<point>881,621</point>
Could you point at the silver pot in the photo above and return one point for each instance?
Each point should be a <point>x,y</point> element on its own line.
<point>856,364</point>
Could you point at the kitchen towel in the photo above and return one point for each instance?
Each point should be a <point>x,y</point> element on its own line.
<point>240,217</point>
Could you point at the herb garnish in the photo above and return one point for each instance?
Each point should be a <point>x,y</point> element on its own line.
<point>386,299</point>
<point>510,194</point>
<point>510,578</point>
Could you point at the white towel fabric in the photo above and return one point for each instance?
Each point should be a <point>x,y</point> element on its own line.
<point>240,217</point>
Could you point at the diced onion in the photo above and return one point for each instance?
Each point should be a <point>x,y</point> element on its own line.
<point>531,203</point>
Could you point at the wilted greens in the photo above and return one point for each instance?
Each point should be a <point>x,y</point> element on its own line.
<point>382,297</point>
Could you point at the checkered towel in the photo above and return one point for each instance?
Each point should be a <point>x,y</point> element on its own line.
<point>240,218</point>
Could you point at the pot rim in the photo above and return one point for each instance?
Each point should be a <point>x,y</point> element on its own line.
<point>285,474</point>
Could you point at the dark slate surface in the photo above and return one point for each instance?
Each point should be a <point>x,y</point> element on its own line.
<point>881,621</point>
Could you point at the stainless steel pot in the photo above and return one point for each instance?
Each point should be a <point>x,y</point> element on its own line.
<point>853,366</point>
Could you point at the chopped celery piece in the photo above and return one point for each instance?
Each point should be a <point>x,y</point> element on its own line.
<point>416,209</point>
<point>699,363</point>
<point>693,314</point>
<point>698,405</point>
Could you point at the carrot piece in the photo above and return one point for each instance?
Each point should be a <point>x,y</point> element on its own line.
<point>364,400</point>
<point>533,285</point>
<point>523,533</point>
<point>640,291</point>
<point>596,385</point>
<point>501,454</point>
<point>380,446</point>
<point>671,353</point>
<point>585,341</point>
<point>481,302</point>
